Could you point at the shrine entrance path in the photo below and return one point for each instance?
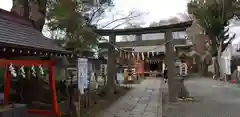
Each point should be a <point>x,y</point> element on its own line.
<point>143,101</point>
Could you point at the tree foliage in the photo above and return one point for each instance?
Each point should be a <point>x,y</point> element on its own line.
<point>70,17</point>
<point>72,20</point>
<point>213,16</point>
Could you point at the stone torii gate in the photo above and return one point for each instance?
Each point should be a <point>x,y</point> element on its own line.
<point>169,44</point>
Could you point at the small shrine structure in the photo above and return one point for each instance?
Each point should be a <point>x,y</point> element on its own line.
<point>18,38</point>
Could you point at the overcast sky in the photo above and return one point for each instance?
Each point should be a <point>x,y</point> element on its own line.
<point>156,9</point>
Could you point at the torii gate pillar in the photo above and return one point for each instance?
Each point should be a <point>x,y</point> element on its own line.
<point>170,60</point>
<point>111,65</point>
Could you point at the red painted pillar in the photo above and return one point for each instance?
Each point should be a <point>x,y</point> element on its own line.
<point>136,67</point>
<point>7,85</point>
<point>53,88</point>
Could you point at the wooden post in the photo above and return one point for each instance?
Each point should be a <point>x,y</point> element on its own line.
<point>7,86</point>
<point>170,60</point>
<point>111,72</point>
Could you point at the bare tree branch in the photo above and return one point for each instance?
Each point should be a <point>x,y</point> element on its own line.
<point>121,24</point>
<point>94,12</point>
<point>129,17</point>
<point>126,22</point>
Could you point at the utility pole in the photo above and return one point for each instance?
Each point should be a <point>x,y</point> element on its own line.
<point>170,62</point>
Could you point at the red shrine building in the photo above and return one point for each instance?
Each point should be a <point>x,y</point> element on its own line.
<point>18,38</point>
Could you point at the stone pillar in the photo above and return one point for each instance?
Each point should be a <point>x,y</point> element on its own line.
<point>111,67</point>
<point>170,60</point>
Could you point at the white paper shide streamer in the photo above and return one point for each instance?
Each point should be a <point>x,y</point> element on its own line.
<point>133,55</point>
<point>23,74</point>
<point>138,56</point>
<point>33,71</point>
<point>12,70</point>
<point>143,56</point>
<point>152,53</point>
<point>41,69</point>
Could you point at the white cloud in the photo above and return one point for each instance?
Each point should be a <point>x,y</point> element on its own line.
<point>157,9</point>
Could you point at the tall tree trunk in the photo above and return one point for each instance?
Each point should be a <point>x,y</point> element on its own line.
<point>21,7</point>
<point>38,25</point>
<point>217,55</point>
<point>220,72</point>
<point>42,8</point>
<point>26,8</point>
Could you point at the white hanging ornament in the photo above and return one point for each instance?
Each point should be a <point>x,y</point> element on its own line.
<point>133,55</point>
<point>22,72</point>
<point>138,56</point>
<point>41,69</point>
<point>152,53</point>
<point>142,56</point>
<point>148,54</point>
<point>33,71</point>
<point>12,70</point>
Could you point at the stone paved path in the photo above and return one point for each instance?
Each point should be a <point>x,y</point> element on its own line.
<point>213,99</point>
<point>143,101</point>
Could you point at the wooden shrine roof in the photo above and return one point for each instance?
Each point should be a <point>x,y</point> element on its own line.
<point>19,33</point>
